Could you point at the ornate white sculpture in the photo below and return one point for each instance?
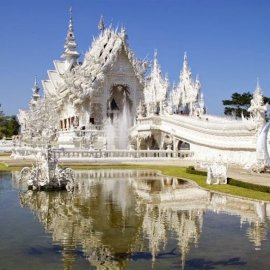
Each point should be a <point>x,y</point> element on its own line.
<point>187,95</point>
<point>46,174</point>
<point>216,173</point>
<point>263,159</point>
<point>140,110</point>
<point>257,107</point>
<point>156,87</point>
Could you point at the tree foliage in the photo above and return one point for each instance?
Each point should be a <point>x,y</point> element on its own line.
<point>238,104</point>
<point>8,125</point>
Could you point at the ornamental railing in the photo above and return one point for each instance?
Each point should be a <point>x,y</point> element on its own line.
<point>82,133</point>
<point>122,154</point>
<point>85,154</point>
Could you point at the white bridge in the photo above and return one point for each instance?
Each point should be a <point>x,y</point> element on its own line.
<point>207,130</point>
<point>209,138</point>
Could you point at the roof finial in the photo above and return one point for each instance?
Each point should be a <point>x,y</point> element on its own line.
<point>185,56</point>
<point>101,24</point>
<point>35,88</point>
<point>70,54</point>
<point>156,66</point>
<point>70,27</point>
<point>35,82</point>
<point>35,93</point>
<point>185,63</point>
<point>258,83</point>
<point>155,54</point>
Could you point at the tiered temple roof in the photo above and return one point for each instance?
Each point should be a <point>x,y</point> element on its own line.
<point>77,82</point>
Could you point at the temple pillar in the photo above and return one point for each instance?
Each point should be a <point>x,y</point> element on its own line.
<point>174,147</point>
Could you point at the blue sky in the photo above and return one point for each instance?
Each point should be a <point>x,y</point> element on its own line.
<point>227,41</point>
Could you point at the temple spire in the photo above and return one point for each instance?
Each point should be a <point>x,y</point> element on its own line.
<point>258,87</point>
<point>35,88</point>
<point>101,24</point>
<point>156,87</point>
<point>185,56</point>
<point>186,68</point>
<point>35,93</point>
<point>70,54</point>
<point>156,67</point>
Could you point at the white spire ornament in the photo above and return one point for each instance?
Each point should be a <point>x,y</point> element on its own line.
<point>156,87</point>
<point>187,92</point>
<point>70,54</point>
<point>257,107</point>
<point>101,24</point>
<point>35,93</point>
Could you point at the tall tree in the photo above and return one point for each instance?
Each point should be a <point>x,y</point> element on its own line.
<point>239,103</point>
<point>8,125</point>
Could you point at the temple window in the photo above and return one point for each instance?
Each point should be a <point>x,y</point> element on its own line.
<point>92,120</point>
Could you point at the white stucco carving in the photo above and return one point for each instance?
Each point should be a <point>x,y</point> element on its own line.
<point>156,87</point>
<point>263,159</point>
<point>187,95</point>
<point>216,173</point>
<point>257,107</point>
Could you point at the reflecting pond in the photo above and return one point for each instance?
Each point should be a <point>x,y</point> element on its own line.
<point>126,219</point>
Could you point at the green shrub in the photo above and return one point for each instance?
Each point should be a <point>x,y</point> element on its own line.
<point>192,170</point>
<point>234,182</point>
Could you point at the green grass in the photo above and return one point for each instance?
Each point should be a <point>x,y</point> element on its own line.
<point>5,154</point>
<point>3,167</point>
<point>180,172</point>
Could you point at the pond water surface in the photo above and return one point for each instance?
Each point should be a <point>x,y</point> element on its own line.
<point>130,220</point>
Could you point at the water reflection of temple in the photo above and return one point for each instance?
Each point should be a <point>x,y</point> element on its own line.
<point>114,214</point>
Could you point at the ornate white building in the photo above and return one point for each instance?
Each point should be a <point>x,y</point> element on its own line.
<point>107,102</point>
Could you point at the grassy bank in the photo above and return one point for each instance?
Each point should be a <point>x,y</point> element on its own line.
<point>3,167</point>
<point>5,154</point>
<point>180,172</point>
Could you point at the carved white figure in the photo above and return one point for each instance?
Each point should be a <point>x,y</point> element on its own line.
<point>263,159</point>
<point>257,107</point>
<point>140,110</point>
<point>216,173</point>
<point>46,174</point>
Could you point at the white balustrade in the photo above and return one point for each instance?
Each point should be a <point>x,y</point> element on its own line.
<point>82,154</point>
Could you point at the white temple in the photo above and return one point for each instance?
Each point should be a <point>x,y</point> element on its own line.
<point>107,102</point>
